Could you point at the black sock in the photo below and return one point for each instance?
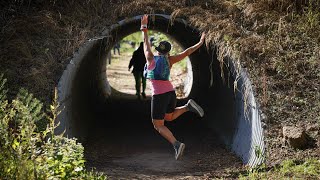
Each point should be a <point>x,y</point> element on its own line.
<point>176,144</point>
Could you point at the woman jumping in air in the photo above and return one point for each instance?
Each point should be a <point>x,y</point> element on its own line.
<point>163,102</point>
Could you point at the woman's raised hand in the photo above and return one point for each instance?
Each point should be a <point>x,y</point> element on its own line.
<point>144,20</point>
<point>203,35</point>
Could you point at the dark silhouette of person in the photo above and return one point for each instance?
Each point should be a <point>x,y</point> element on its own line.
<point>152,39</point>
<point>109,57</point>
<point>116,47</point>
<point>138,61</point>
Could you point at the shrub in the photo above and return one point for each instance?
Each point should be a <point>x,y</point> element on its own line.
<point>28,147</point>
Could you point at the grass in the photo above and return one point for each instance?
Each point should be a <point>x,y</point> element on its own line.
<point>288,169</point>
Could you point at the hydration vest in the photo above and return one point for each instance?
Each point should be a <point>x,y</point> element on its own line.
<point>161,70</point>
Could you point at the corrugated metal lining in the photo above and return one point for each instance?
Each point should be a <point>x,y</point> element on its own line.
<point>247,139</point>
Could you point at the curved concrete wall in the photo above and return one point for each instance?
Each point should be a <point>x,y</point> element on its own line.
<point>65,90</point>
<point>84,84</point>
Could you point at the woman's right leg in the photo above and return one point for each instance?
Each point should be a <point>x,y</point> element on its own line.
<point>173,112</point>
<point>176,113</point>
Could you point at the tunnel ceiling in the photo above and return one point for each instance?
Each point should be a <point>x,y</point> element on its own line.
<point>83,86</point>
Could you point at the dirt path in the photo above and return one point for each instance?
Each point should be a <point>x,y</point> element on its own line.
<point>145,155</point>
<point>125,146</point>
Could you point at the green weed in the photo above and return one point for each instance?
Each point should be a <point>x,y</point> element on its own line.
<point>288,169</point>
<point>30,152</point>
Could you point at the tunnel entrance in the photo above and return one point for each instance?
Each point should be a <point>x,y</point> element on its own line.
<point>92,113</point>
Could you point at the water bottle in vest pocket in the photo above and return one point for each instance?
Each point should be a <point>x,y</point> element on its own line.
<point>145,70</point>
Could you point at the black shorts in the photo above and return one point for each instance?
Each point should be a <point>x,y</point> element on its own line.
<point>162,104</point>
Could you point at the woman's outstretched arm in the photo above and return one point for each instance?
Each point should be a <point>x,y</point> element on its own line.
<point>188,51</point>
<point>147,48</point>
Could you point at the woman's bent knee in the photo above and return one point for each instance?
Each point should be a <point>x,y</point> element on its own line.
<point>157,124</point>
<point>168,117</point>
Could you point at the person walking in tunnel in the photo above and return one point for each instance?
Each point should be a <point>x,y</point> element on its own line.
<point>116,47</point>
<point>138,61</point>
<point>163,102</point>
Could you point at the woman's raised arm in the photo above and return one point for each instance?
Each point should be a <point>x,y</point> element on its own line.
<point>187,52</point>
<point>147,48</point>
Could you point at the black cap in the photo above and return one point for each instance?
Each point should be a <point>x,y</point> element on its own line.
<point>164,47</point>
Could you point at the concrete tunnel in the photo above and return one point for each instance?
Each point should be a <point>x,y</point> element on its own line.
<point>233,114</point>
